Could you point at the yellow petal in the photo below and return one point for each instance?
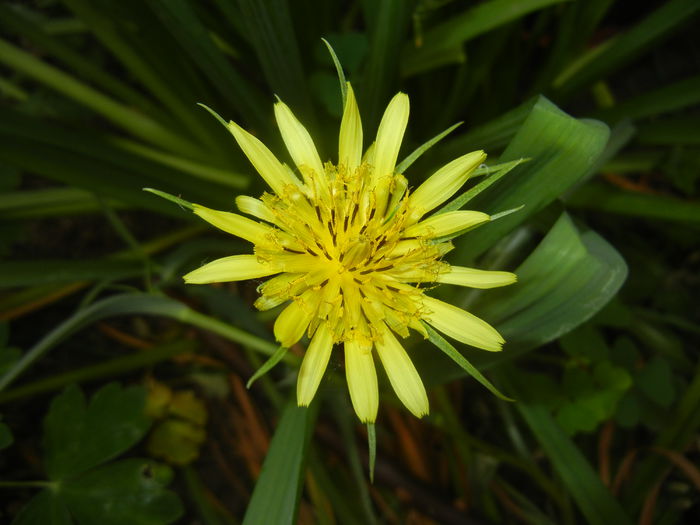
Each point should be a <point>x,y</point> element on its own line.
<point>444,183</point>
<point>233,268</point>
<point>362,380</point>
<point>266,164</point>
<point>402,375</point>
<point>350,140</point>
<point>461,325</point>
<point>236,225</point>
<point>474,278</point>
<point>446,224</point>
<point>389,137</point>
<point>314,365</point>
<point>298,141</point>
<point>255,207</point>
<point>294,320</point>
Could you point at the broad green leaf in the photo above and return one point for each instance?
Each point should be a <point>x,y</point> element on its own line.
<point>563,282</point>
<point>566,280</point>
<point>79,436</point>
<point>463,27</point>
<point>128,491</point>
<point>562,150</point>
<point>46,508</point>
<point>276,496</point>
<point>579,477</point>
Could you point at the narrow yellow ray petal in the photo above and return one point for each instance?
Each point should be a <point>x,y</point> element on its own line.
<point>266,164</point>
<point>233,268</point>
<point>474,278</point>
<point>402,375</point>
<point>299,143</point>
<point>362,380</point>
<point>255,207</point>
<point>389,137</point>
<point>314,364</point>
<point>461,325</point>
<point>446,224</point>
<point>236,225</point>
<point>444,183</point>
<point>350,140</point>
<point>294,320</point>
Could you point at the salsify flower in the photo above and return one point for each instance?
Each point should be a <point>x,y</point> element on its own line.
<point>349,245</point>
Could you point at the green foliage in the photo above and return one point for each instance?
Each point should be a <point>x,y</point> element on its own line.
<point>79,438</point>
<point>99,99</point>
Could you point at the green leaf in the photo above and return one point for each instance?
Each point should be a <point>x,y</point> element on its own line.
<point>46,508</point>
<point>24,273</point>
<point>662,100</point>
<point>579,477</point>
<point>463,27</point>
<point>494,174</point>
<point>181,19</point>
<point>610,55</point>
<point>128,491</point>
<point>276,496</point>
<point>388,24</point>
<point>655,380</point>
<point>563,151</point>
<point>372,446</point>
<point>269,27</point>
<point>267,365</point>
<point>130,304</point>
<point>125,117</point>
<point>605,198</point>
<point>6,438</point>
<point>415,155</point>
<point>78,437</point>
<point>564,282</point>
<point>458,358</point>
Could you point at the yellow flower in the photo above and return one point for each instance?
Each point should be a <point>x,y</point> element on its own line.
<point>349,246</point>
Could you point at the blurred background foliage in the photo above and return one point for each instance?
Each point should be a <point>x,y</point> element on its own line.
<point>600,97</point>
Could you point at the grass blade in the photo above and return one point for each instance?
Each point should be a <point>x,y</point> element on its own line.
<point>277,492</point>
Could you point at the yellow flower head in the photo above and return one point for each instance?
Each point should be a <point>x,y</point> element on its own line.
<point>348,245</point>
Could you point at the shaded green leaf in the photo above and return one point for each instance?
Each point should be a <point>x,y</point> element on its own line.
<point>46,508</point>
<point>128,491</point>
<point>563,151</point>
<point>463,27</point>
<point>276,496</point>
<point>79,436</point>
<point>593,498</point>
